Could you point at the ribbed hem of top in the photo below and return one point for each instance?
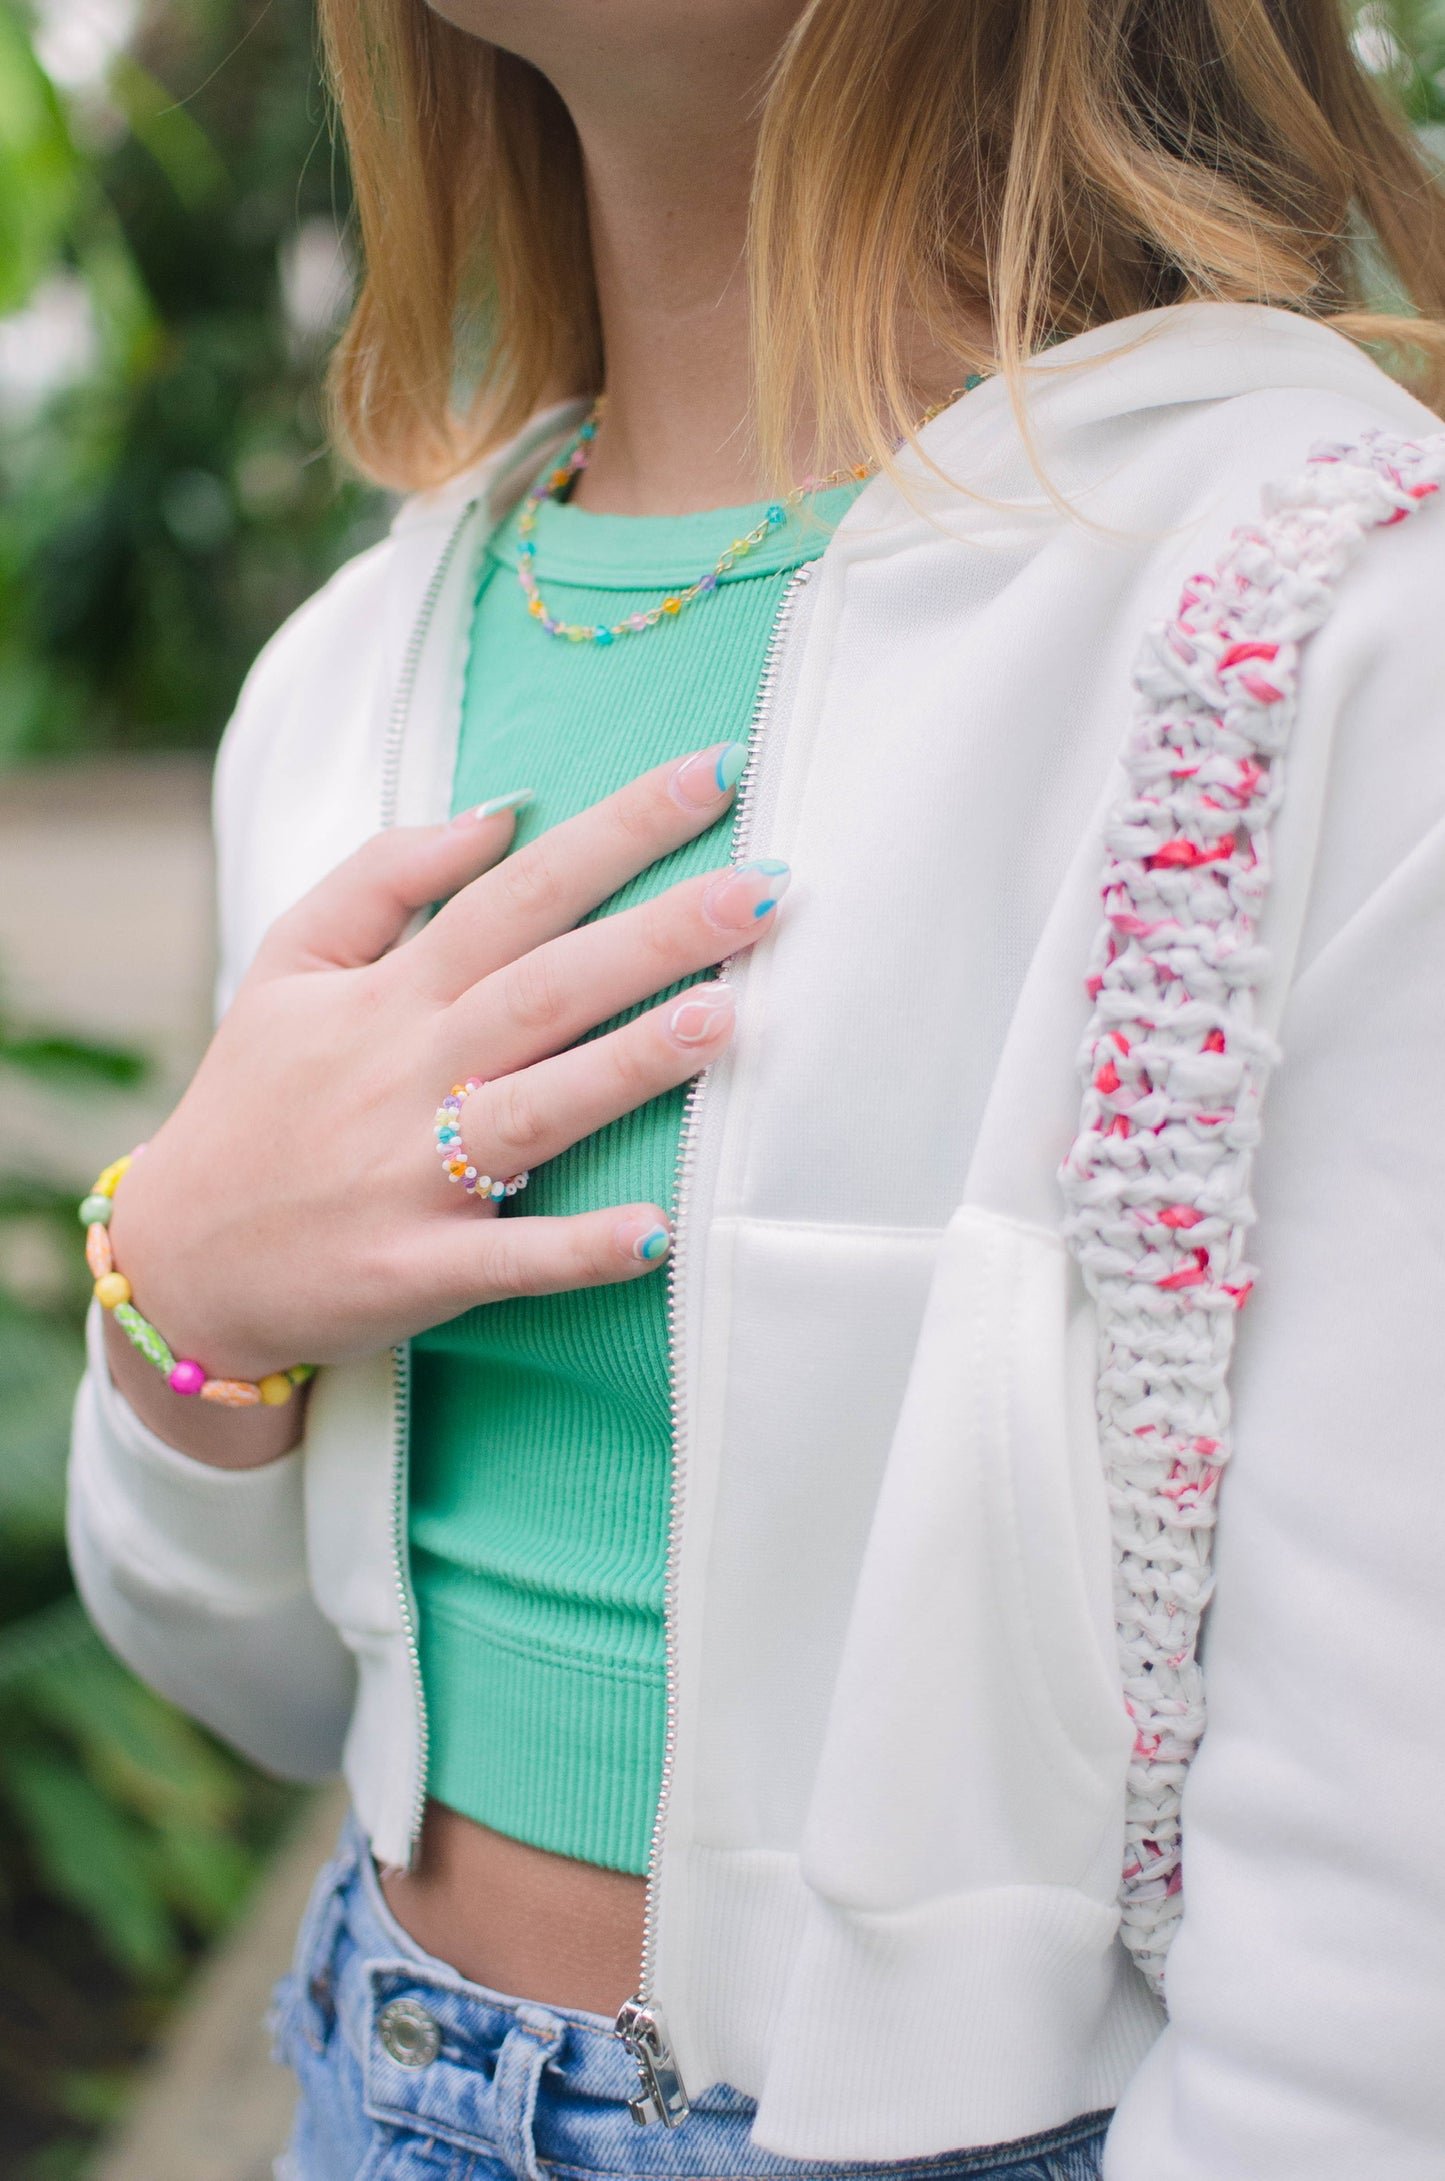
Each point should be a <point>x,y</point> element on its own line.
<point>562,1752</point>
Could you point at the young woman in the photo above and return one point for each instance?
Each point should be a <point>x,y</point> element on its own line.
<point>796,1648</point>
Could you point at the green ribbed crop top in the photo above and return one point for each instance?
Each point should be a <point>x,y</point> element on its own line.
<point>540,1434</point>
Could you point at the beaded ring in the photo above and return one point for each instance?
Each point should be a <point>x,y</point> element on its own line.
<point>112,1292</point>
<point>453,1152</point>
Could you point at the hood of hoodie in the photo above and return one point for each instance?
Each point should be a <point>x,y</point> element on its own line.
<point>1029,455</point>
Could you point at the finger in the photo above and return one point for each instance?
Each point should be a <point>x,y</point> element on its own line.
<point>549,997</point>
<point>549,885</point>
<point>517,1121</point>
<point>493,1260</point>
<point>363,906</point>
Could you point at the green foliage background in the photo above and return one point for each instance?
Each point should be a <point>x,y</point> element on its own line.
<point>127,1837</point>
<point>161,517</point>
<point>160,514</point>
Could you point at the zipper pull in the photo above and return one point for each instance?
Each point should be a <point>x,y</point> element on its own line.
<point>663,2096</point>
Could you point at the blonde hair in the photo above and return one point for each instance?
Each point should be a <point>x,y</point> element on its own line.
<point>923,167</point>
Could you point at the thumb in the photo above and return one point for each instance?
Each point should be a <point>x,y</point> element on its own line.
<point>363,907</point>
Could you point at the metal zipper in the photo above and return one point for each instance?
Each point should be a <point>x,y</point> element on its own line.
<point>400,1442</point>
<point>639,2025</point>
<point>411,660</point>
<point>401,1355</point>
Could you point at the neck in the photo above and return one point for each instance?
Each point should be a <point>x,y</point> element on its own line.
<point>667,119</point>
<point>668,158</point>
<point>673,293</point>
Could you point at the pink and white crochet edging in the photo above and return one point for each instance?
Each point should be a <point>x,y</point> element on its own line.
<point>1174,1065</point>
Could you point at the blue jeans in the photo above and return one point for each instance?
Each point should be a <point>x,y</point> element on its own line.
<point>410,2073</point>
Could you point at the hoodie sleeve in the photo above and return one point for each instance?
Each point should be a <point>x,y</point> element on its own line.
<point>1307,2001</point>
<point>197,1576</point>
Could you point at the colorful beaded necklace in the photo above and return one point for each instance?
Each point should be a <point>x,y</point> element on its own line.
<point>556,481</point>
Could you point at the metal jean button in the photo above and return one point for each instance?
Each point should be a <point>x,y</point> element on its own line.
<point>411,2035</point>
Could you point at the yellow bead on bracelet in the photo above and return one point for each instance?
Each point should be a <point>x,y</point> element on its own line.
<point>112,1292</point>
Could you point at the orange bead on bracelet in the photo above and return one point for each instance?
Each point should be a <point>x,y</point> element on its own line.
<point>112,1292</point>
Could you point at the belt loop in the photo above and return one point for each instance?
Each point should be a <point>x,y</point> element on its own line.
<point>526,2049</point>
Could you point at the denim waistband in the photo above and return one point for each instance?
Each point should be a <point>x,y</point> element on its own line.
<point>396,2052</point>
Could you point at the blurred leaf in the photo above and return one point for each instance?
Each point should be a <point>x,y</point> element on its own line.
<point>39,172</point>
<point>34,1645</point>
<point>40,1366</point>
<point>179,146</point>
<point>96,2095</point>
<point>205,1875</point>
<point>67,1061</point>
<point>149,1757</point>
<point>68,2158</point>
<point>25,1195</point>
<point>97,1860</point>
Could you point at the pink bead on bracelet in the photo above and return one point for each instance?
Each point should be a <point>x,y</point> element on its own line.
<point>112,1292</point>
<point>453,1152</point>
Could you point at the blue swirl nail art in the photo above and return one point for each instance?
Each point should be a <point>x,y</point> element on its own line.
<point>731,760</point>
<point>771,867</point>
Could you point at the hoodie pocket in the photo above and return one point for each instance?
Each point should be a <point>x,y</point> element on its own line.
<point>977,1735</point>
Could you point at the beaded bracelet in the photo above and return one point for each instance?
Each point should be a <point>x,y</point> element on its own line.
<point>112,1292</point>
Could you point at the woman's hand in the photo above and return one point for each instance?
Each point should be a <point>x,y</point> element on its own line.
<point>292,1208</point>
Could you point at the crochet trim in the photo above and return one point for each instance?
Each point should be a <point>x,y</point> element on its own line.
<point>1174,1065</point>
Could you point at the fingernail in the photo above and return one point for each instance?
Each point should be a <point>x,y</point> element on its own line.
<point>643,1239</point>
<point>514,801</point>
<point>701,1015</point>
<point>708,775</point>
<point>738,897</point>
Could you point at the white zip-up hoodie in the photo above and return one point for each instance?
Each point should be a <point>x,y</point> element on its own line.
<point>885,1897</point>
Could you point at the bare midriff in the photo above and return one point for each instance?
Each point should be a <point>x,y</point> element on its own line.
<point>518,1919</point>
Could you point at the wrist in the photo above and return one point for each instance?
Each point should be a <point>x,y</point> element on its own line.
<point>157,1365</point>
<point>220,1437</point>
<point>167,1283</point>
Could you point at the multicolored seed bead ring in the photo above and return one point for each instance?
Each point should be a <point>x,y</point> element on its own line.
<point>453,1152</point>
<point>112,1292</point>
